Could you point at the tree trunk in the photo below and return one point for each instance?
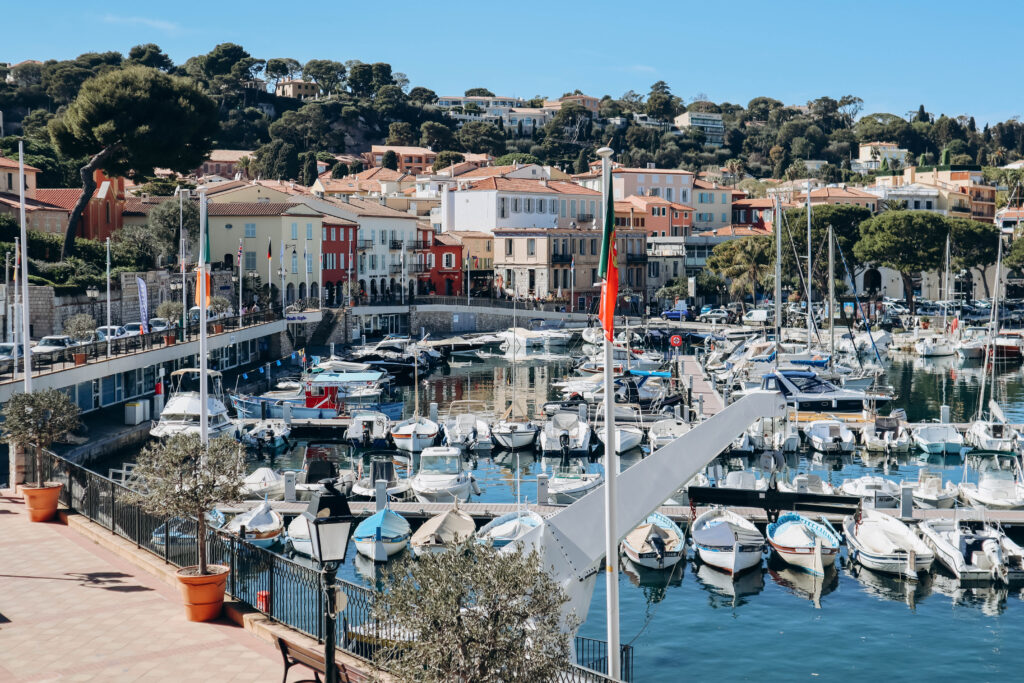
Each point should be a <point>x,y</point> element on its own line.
<point>201,540</point>
<point>908,288</point>
<point>984,282</point>
<point>88,187</point>
<point>40,479</point>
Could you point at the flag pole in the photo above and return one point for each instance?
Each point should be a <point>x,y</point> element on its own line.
<point>184,276</point>
<point>204,408</point>
<point>611,461</point>
<point>26,339</point>
<point>240,280</point>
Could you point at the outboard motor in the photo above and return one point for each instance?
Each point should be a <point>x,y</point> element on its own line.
<point>563,440</point>
<point>366,435</point>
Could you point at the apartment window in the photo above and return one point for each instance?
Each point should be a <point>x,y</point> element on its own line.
<point>565,246</point>
<point>250,260</point>
<point>334,234</point>
<point>554,206</point>
<point>515,205</point>
<point>508,247</point>
<point>540,206</point>
<point>384,236</point>
<point>250,229</point>
<point>593,276</point>
<point>295,262</point>
<point>572,208</point>
<point>373,262</point>
<point>531,247</point>
<point>373,236</point>
<point>562,208</point>
<point>295,231</point>
<point>725,198</point>
<point>668,193</point>
<point>431,261</point>
<point>554,247</point>
<point>917,204</point>
<point>502,207</point>
<point>640,178</point>
<point>323,234</point>
<point>554,278</point>
<point>448,259</point>
<point>928,204</point>
<point>528,205</point>
<point>487,248</point>
<point>593,208</point>
<point>583,247</point>
<point>725,218</point>
<point>593,246</point>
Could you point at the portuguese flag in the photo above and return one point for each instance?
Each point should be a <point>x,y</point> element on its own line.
<point>608,269</point>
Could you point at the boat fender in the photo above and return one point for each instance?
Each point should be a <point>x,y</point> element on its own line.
<point>475,485</point>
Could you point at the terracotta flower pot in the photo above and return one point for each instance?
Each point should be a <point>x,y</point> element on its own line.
<point>170,339</point>
<point>41,502</point>
<point>81,358</point>
<point>217,328</point>
<point>925,324</point>
<point>203,595</point>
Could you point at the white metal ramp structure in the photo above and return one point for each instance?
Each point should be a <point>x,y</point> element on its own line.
<point>569,542</point>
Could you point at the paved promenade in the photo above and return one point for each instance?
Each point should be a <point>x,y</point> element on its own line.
<point>72,611</point>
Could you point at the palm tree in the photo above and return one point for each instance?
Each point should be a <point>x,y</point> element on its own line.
<point>744,263</point>
<point>735,168</point>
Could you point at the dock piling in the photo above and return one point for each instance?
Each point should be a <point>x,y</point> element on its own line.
<point>381,493</point>
<point>944,414</point>
<point>542,489</point>
<point>289,487</point>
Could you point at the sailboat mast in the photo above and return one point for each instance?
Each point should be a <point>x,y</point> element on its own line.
<point>810,296</point>
<point>993,324</point>
<point>832,295</point>
<point>945,306</point>
<point>777,226</point>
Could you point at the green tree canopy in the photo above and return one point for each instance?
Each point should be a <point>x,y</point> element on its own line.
<point>447,158</point>
<point>746,262</point>
<point>909,242</point>
<point>400,133</point>
<point>436,136</point>
<point>150,55</point>
<point>37,420</point>
<point>130,121</point>
<point>165,221</point>
<point>516,158</point>
<point>329,75</point>
<point>482,138</point>
<point>973,246</point>
<point>390,160</point>
<point>479,92</point>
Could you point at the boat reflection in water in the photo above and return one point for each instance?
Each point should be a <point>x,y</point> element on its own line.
<point>653,582</point>
<point>890,586</point>
<point>801,583</point>
<point>726,590</point>
<point>987,596</point>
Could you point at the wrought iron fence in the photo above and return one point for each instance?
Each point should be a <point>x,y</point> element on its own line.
<point>285,591</point>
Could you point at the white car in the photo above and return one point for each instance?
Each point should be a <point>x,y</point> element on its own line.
<point>159,324</point>
<point>53,344</point>
<point>133,329</point>
<point>114,332</point>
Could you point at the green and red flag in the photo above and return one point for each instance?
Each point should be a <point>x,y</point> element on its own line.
<point>608,268</point>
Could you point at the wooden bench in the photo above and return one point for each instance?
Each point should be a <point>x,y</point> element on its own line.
<point>297,655</point>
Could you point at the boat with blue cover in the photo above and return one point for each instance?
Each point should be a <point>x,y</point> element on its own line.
<point>381,535</point>
<point>804,543</point>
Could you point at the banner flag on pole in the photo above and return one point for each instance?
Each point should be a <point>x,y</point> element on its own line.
<point>608,268</point>
<point>143,304</point>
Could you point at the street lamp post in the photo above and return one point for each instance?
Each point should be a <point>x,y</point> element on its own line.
<point>108,298</point>
<point>93,293</point>
<point>330,527</point>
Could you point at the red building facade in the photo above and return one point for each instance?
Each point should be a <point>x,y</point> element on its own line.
<point>340,252</point>
<point>446,266</point>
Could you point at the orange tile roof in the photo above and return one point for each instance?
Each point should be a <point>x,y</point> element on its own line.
<point>64,197</point>
<point>400,149</point>
<point>838,193</point>
<point>248,208</point>
<point>754,203</point>
<point>487,171</point>
<point>229,155</point>
<point>740,231</point>
<point>13,163</point>
<point>529,185</point>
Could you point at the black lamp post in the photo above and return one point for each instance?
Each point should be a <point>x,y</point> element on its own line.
<point>330,528</point>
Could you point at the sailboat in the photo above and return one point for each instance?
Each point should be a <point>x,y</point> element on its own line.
<point>417,432</point>
<point>512,434</point>
<point>939,345</point>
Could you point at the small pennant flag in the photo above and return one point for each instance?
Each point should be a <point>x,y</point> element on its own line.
<point>270,245</point>
<point>261,371</point>
<point>278,363</point>
<point>294,355</point>
<point>245,375</point>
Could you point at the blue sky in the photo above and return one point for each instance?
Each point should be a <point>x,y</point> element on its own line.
<point>955,58</point>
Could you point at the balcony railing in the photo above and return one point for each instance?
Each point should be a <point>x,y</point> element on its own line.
<point>364,244</point>
<point>418,245</point>
<point>417,269</point>
<point>960,209</point>
<point>561,258</point>
<point>585,217</point>
<point>395,269</point>
<point>636,258</point>
<point>398,244</point>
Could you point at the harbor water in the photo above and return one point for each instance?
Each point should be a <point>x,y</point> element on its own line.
<point>771,623</point>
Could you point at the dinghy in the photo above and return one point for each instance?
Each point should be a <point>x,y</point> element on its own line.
<point>441,532</point>
<point>266,434</point>
<point>877,492</point>
<point>655,544</point>
<point>570,482</point>
<point>508,528</point>
<point>938,438</point>
<point>626,437</point>
<point>263,525</point>
<point>297,537</point>
<point>804,543</point>
<point>441,477</point>
<point>983,555</point>
<point>381,535</point>
<point>727,541</point>
<point>414,434</point>
<point>930,494</point>
<point>830,436</point>
<point>664,432</point>
<point>263,483</point>
<point>883,543</point>
<point>995,490</point>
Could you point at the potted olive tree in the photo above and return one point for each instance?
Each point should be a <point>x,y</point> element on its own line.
<point>172,312</point>
<point>80,328</point>
<point>218,307</point>
<point>35,421</point>
<point>183,479</point>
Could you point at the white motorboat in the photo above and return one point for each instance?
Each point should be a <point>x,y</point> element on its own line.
<point>263,483</point>
<point>806,483</point>
<point>266,434</point>
<point>414,434</point>
<point>986,554</point>
<point>381,535</point>
<point>368,428</point>
<point>570,482</point>
<point>382,467</point>
<point>804,543</point>
<point>664,432</point>
<point>263,525</point>
<point>830,436</point>
<point>884,435</point>
<point>297,536</point>
<point>727,541</point>
<point>995,490</point>
<point>441,477</point>
<point>972,349</point>
<point>565,432</point>
<point>513,435</point>
<point>883,543</point>
<point>181,415</point>
<point>931,494</point>
<point>809,393</point>
<point>742,479</point>
<point>439,533</point>
<point>934,347</point>
<point>509,528</point>
<point>466,430</point>
<point>939,438</point>
<point>992,436</point>
<point>626,437</point>
<point>877,492</point>
<point>655,544</point>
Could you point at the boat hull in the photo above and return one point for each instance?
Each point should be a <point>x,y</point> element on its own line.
<point>731,560</point>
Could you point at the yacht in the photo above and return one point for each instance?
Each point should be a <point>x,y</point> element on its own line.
<point>809,393</point>
<point>565,432</point>
<point>181,415</point>
<point>441,477</point>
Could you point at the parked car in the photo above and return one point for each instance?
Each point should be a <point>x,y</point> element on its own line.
<point>159,324</point>
<point>678,312</point>
<point>705,308</point>
<point>113,331</point>
<point>8,353</point>
<point>716,315</point>
<point>133,329</point>
<point>53,344</point>
<point>759,316</point>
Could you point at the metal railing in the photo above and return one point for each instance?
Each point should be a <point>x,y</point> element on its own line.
<point>561,258</point>
<point>283,590</point>
<point>80,354</point>
<point>364,244</point>
<point>636,258</point>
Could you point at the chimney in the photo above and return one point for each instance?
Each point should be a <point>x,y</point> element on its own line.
<point>650,164</point>
<point>543,182</point>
